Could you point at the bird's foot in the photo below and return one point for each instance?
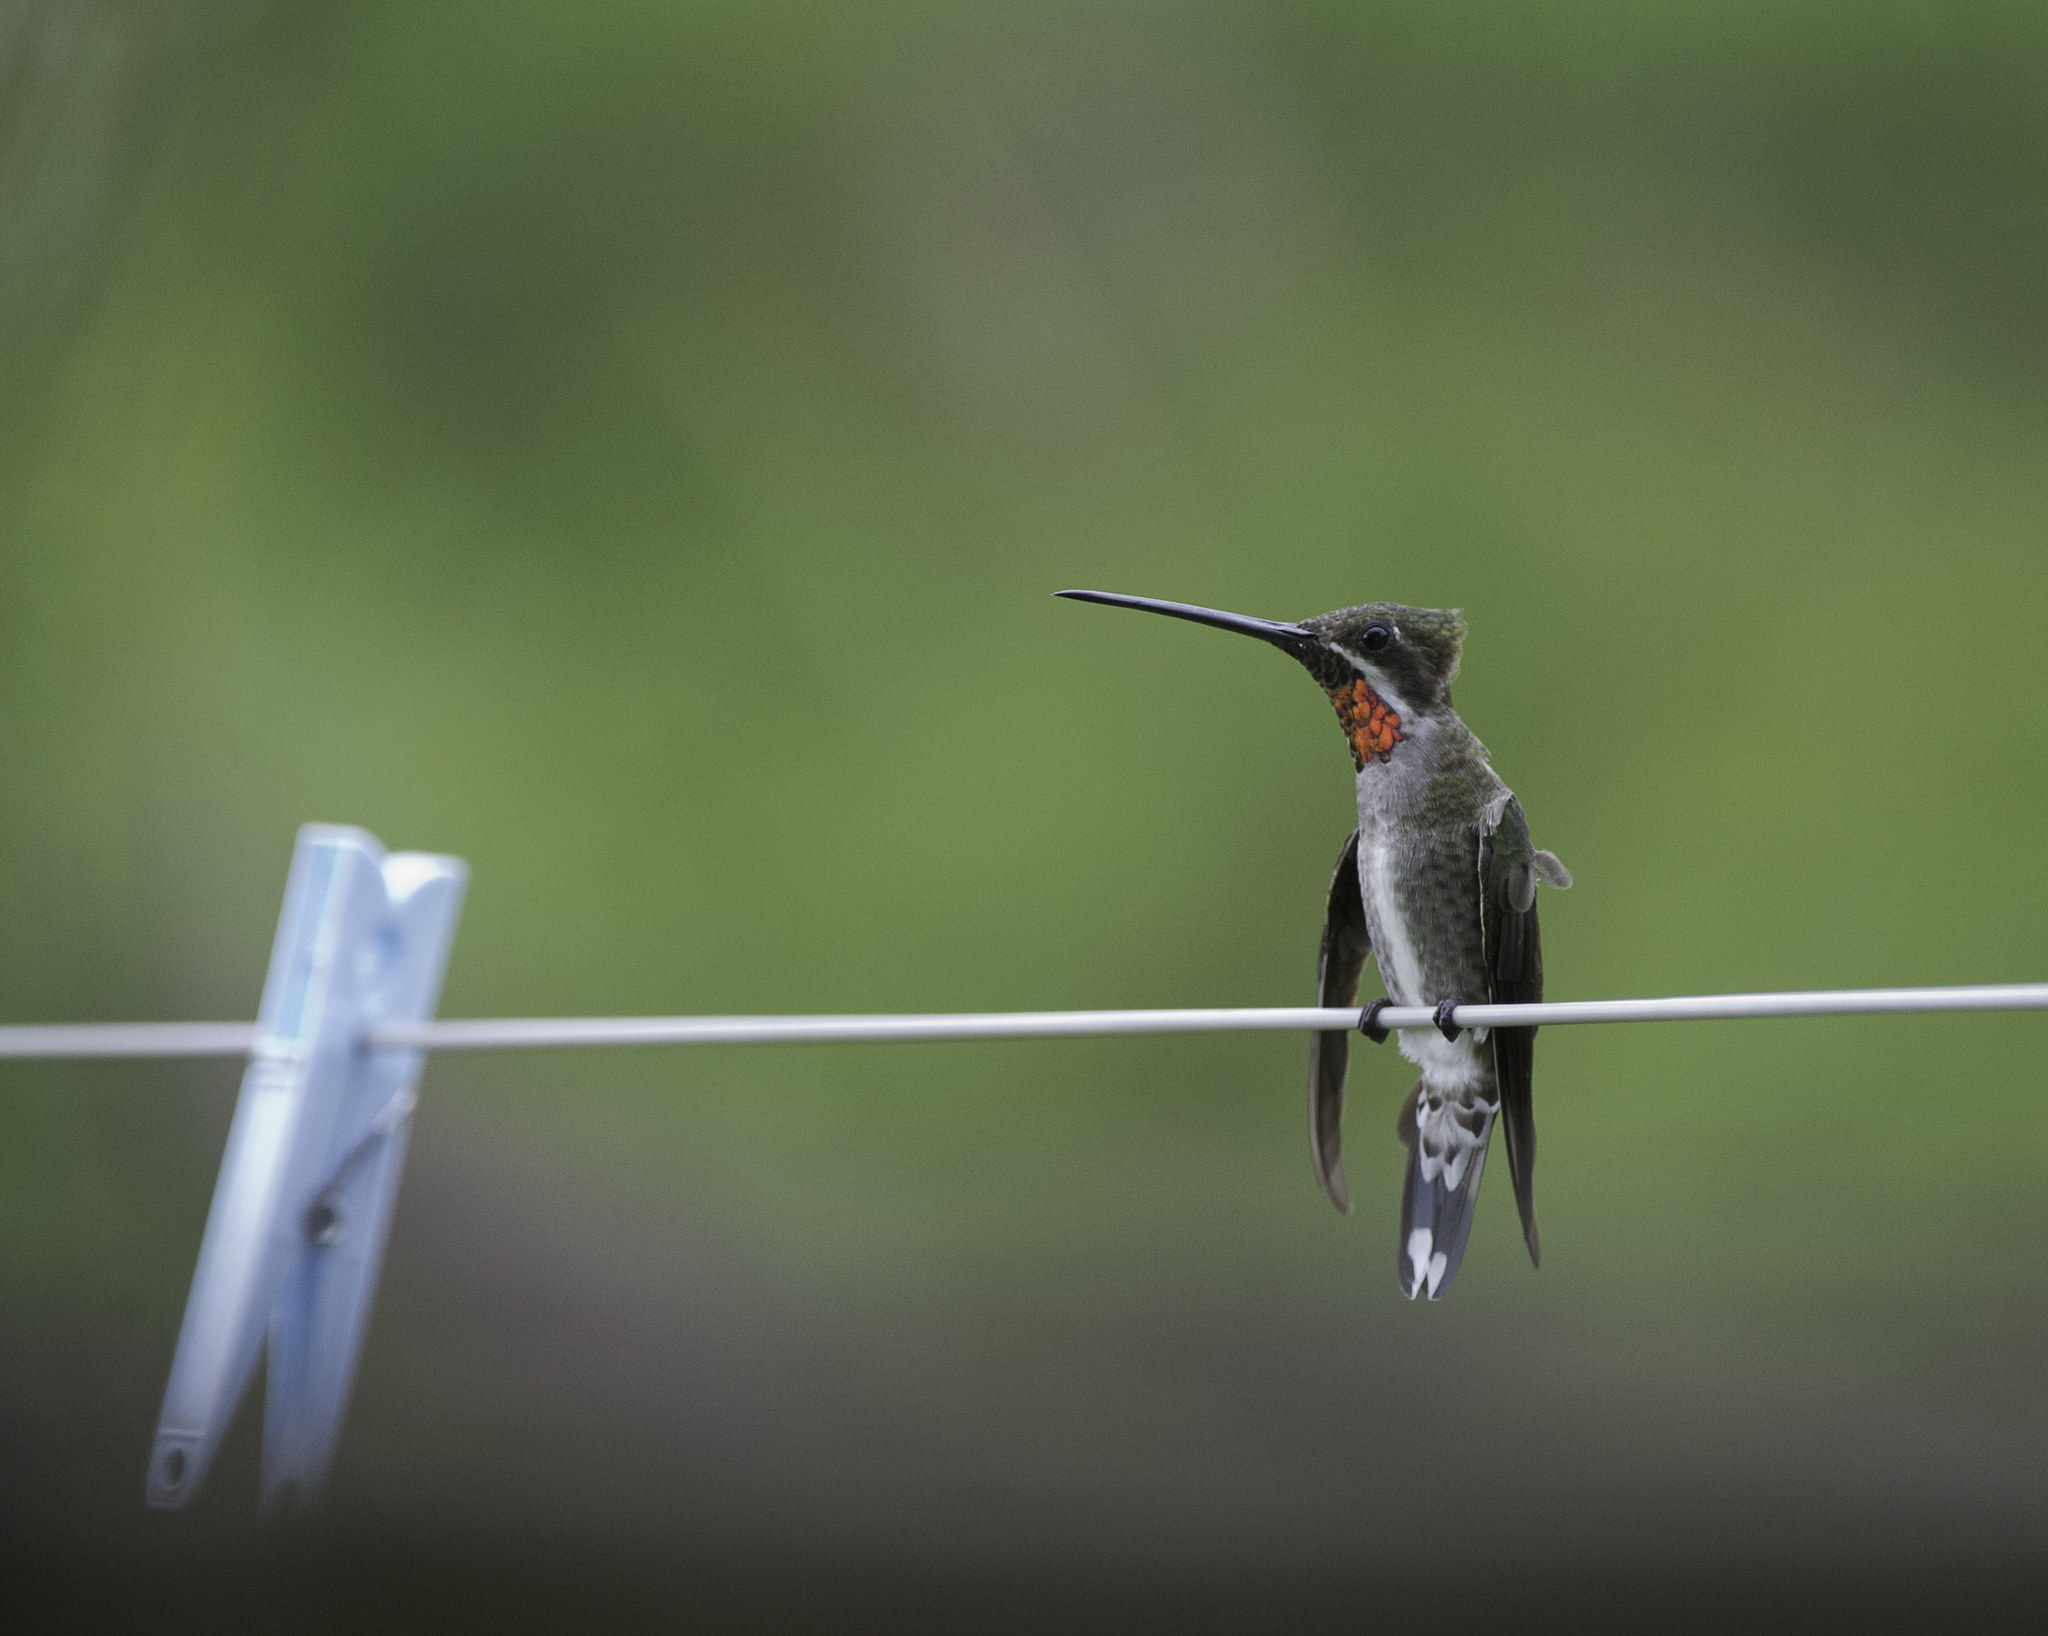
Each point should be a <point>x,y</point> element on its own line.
<point>1369,1022</point>
<point>1445,1026</point>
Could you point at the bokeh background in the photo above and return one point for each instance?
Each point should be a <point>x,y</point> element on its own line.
<point>631,446</point>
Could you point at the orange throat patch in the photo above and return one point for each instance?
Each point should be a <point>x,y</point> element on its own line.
<point>1371,727</point>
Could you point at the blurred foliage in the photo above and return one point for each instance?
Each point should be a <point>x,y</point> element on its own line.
<point>631,446</point>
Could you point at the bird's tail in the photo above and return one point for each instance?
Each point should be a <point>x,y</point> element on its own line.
<point>1446,1133</point>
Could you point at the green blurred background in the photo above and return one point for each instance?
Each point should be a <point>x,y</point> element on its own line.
<point>630,446</point>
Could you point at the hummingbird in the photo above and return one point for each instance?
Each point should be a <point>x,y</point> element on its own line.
<point>1437,884</point>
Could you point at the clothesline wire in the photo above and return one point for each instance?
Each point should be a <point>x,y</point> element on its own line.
<point>204,1039</point>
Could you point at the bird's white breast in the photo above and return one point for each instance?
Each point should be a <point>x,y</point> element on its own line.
<point>1399,958</point>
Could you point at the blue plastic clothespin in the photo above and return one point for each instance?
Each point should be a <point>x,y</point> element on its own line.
<point>295,1237</point>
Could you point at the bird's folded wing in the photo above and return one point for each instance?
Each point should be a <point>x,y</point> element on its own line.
<point>1508,869</point>
<point>1346,943</point>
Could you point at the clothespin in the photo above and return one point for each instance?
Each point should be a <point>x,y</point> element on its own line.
<point>295,1237</point>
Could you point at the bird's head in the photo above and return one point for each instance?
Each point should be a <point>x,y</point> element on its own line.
<point>1381,664</point>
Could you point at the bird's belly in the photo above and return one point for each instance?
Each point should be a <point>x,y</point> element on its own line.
<point>1412,977</point>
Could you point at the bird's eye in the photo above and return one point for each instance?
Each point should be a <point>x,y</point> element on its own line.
<point>1377,637</point>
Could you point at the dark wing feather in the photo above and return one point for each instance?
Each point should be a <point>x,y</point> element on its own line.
<point>1514,971</point>
<point>1346,943</point>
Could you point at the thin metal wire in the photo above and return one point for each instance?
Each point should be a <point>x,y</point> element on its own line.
<point>129,1040</point>
<point>526,1033</point>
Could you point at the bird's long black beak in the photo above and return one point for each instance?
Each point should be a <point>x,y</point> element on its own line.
<point>1297,640</point>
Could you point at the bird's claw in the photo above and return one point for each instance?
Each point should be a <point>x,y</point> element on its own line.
<point>1445,1026</point>
<point>1369,1022</point>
